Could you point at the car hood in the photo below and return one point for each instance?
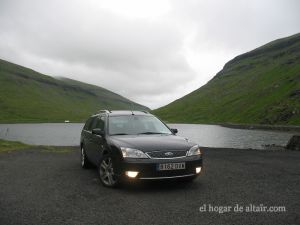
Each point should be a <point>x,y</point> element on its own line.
<point>152,142</point>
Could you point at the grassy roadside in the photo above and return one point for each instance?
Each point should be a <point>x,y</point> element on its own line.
<point>8,146</point>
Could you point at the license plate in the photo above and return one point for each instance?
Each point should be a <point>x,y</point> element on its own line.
<point>171,166</point>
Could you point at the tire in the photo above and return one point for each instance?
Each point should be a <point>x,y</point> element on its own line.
<point>106,172</point>
<point>85,163</point>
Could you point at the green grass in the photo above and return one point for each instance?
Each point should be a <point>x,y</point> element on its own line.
<point>56,149</point>
<point>7,146</point>
<point>29,96</point>
<point>254,88</point>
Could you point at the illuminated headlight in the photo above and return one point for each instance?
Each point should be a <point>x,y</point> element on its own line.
<point>131,174</point>
<point>195,150</point>
<point>198,169</point>
<point>133,153</point>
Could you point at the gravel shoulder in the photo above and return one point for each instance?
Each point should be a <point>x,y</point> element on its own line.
<point>48,186</point>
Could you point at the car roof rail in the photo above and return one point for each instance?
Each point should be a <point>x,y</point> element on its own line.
<point>104,111</point>
<point>144,111</point>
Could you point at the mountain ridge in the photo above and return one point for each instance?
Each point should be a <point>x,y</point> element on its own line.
<point>261,86</point>
<point>29,96</point>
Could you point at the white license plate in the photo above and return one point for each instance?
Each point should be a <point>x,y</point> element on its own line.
<point>171,166</point>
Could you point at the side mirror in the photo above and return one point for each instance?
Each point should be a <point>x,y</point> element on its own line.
<point>174,131</point>
<point>98,131</point>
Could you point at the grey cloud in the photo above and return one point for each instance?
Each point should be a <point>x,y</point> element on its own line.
<point>101,39</point>
<point>240,25</point>
<point>151,61</point>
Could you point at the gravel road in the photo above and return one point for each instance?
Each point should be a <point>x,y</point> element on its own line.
<point>41,187</point>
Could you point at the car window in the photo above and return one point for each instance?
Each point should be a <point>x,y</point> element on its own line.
<point>93,124</point>
<point>98,123</point>
<point>88,123</point>
<point>136,124</point>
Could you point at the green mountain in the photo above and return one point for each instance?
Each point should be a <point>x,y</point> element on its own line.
<point>259,87</point>
<point>29,96</point>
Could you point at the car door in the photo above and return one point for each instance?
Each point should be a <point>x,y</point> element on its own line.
<point>88,144</point>
<point>97,141</point>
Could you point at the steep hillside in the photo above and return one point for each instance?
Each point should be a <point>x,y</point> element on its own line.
<point>258,87</point>
<point>28,96</point>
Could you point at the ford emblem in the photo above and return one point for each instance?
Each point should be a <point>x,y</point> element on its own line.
<point>168,153</point>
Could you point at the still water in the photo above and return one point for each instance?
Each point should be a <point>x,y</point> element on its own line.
<point>67,134</point>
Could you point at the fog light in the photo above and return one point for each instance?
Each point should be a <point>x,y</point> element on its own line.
<point>132,174</point>
<point>198,169</point>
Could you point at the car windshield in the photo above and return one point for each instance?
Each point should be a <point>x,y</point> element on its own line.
<point>136,124</point>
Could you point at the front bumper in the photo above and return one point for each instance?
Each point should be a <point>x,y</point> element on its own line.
<point>147,168</point>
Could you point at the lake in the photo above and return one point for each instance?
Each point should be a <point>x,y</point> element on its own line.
<point>68,134</point>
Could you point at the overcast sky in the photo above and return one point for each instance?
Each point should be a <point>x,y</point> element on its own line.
<point>152,52</point>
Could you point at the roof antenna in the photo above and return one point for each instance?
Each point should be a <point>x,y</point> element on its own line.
<point>132,108</point>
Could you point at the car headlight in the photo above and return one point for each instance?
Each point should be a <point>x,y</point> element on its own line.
<point>133,153</point>
<point>195,150</point>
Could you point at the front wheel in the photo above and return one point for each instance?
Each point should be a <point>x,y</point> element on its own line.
<point>106,172</point>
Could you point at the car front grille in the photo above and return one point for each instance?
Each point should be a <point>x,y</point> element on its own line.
<point>166,154</point>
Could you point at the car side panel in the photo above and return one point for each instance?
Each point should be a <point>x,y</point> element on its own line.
<point>96,148</point>
<point>87,142</point>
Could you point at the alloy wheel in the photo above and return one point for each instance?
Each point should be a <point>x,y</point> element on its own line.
<point>106,171</point>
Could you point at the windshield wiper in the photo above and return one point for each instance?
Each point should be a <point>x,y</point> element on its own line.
<point>120,134</point>
<point>149,132</point>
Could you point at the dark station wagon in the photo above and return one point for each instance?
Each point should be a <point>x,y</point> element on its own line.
<point>136,145</point>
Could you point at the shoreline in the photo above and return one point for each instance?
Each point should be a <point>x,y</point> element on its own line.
<point>285,128</point>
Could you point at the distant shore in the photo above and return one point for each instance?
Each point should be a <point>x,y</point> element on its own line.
<point>291,128</point>
<point>285,128</point>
